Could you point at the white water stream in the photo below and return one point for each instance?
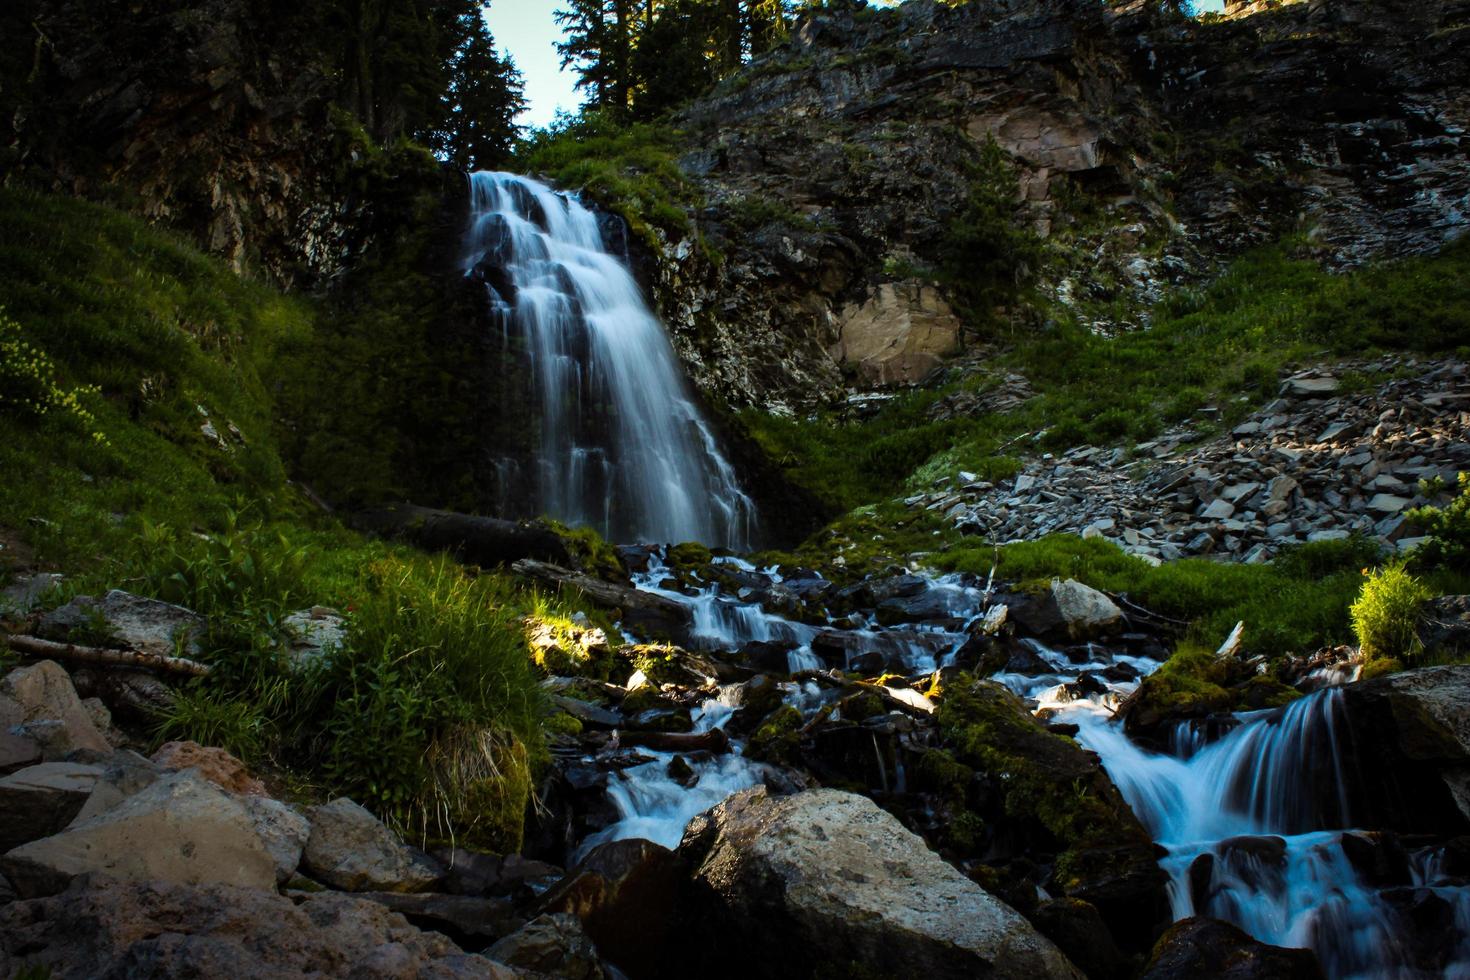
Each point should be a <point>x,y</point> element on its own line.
<point>622,446</point>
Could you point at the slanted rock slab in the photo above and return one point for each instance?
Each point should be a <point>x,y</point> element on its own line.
<point>132,621</point>
<point>181,829</point>
<point>828,878</point>
<point>41,800</point>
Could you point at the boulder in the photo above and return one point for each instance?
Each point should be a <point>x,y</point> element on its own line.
<point>350,849</point>
<point>145,625</point>
<point>826,879</point>
<point>40,801</point>
<point>181,829</point>
<point>1069,609</point>
<point>1409,749</point>
<point>25,592</point>
<point>43,693</point>
<point>1079,931</point>
<point>115,928</point>
<point>214,764</point>
<point>282,830</point>
<point>1199,947</point>
<point>626,893</point>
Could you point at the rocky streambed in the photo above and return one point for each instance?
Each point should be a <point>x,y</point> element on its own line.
<point>905,775</point>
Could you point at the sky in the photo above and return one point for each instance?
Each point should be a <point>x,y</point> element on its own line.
<point>525,30</point>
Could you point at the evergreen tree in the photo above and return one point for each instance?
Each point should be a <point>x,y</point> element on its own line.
<point>476,124</point>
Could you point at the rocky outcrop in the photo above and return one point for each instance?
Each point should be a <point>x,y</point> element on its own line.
<point>1146,150</point>
<point>109,927</point>
<point>828,879</point>
<point>898,335</point>
<point>122,619</point>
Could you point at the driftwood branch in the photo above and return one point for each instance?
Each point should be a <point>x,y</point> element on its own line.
<point>714,740</point>
<point>37,647</point>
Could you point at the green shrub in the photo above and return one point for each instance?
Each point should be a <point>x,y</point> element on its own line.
<point>1386,615</point>
<point>1448,529</point>
<point>211,717</point>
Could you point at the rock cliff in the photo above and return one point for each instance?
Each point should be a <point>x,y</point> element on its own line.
<point>1143,151</point>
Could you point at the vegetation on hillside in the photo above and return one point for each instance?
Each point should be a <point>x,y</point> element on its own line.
<point>175,361</point>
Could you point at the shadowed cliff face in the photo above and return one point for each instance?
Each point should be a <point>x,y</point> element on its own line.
<point>211,117</point>
<point>1146,151</point>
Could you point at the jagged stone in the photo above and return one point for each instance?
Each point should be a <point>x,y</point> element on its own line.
<point>350,849</point>
<point>43,693</point>
<point>40,801</point>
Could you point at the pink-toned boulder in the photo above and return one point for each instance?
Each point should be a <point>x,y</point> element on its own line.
<point>214,764</point>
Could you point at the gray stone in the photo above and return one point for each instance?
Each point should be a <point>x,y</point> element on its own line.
<point>17,752</point>
<point>43,692</point>
<point>145,625</point>
<point>1218,510</point>
<point>181,829</point>
<point>314,633</point>
<point>281,829</point>
<point>828,877</point>
<point>1319,387</point>
<point>25,593</point>
<point>1387,503</point>
<point>40,801</point>
<point>350,849</point>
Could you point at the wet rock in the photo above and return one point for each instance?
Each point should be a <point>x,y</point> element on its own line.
<point>587,712</point>
<point>109,927</point>
<point>769,657</point>
<point>550,945</point>
<point>826,877</point>
<point>41,800</point>
<point>1200,947</point>
<point>43,693</point>
<point>180,829</point>
<point>1080,933</point>
<point>626,893</point>
<point>1378,857</point>
<point>350,849</point>
<point>126,620</point>
<point>214,764</point>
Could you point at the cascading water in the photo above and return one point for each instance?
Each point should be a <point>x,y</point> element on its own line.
<point>622,447</point>
<point>1258,829</point>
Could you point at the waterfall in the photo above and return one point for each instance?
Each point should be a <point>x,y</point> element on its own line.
<point>1258,829</point>
<point>621,446</point>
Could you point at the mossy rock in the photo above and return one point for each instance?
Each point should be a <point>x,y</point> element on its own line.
<point>561,648</point>
<point>939,773</point>
<point>589,551</point>
<point>862,706</point>
<point>689,556</point>
<point>778,739</point>
<point>561,723</point>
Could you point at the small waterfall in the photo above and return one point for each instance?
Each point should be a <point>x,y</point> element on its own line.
<point>621,445</point>
<point>1258,828</point>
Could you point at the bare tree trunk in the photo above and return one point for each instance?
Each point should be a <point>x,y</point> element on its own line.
<point>36,647</point>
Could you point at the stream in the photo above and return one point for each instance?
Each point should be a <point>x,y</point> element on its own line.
<point>1256,821</point>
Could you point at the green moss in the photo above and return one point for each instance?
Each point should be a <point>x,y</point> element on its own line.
<point>561,723</point>
<point>1386,615</point>
<point>778,739</point>
<point>689,556</point>
<point>646,697</point>
<point>589,550</point>
<point>1045,779</point>
<point>941,775</point>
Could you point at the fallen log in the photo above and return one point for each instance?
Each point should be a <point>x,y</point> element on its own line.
<point>486,541</point>
<point>638,608</point>
<point>36,647</point>
<point>715,740</point>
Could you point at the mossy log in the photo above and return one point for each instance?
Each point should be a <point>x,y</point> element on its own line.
<point>644,609</point>
<point>486,541</point>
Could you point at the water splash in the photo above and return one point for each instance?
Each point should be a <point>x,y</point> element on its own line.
<point>622,446</point>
